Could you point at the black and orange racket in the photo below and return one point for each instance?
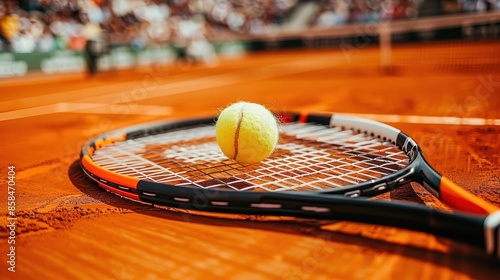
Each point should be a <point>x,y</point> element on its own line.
<point>320,165</point>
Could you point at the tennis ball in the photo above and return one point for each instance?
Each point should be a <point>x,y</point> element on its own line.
<point>247,132</point>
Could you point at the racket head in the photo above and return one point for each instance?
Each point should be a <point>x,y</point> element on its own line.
<point>178,155</point>
<point>317,154</point>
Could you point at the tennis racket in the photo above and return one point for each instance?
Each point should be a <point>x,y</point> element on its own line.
<point>320,165</point>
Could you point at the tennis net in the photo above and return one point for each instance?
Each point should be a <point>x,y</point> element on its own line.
<point>459,42</point>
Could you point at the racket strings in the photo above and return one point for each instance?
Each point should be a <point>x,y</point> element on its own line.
<point>308,157</point>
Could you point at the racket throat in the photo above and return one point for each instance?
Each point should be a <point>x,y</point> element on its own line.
<point>426,176</point>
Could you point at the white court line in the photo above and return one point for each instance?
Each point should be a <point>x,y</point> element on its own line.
<point>428,119</point>
<point>413,119</point>
<point>114,99</point>
<point>171,88</point>
<point>119,109</point>
<point>94,108</point>
<point>87,108</point>
<point>108,103</point>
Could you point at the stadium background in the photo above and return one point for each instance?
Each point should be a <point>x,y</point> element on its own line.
<point>51,36</point>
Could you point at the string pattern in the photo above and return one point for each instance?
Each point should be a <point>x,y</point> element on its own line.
<point>307,157</point>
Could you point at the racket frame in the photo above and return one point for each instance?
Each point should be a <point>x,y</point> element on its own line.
<point>333,204</point>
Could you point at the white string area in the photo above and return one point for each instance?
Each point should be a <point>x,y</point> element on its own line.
<point>307,157</point>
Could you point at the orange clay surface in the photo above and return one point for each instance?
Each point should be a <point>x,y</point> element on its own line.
<point>69,228</point>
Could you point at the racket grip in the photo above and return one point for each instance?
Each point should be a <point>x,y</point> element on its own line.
<point>460,199</point>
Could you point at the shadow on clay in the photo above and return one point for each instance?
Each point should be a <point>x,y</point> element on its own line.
<point>461,257</point>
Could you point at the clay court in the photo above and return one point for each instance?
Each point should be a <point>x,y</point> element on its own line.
<point>69,228</point>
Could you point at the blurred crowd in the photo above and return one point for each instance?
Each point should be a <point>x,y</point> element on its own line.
<point>47,25</point>
<point>338,12</point>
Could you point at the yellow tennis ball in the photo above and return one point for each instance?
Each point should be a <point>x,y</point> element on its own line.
<point>247,132</point>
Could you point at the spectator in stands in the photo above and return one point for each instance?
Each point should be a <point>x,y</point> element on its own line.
<point>236,20</point>
<point>446,7</point>
<point>23,43</point>
<point>470,6</point>
<point>496,4</point>
<point>492,5</point>
<point>360,11</point>
<point>96,13</point>
<point>3,40</point>
<point>256,25</point>
<point>137,37</point>
<point>333,12</point>
<point>152,12</point>
<point>30,30</point>
<point>10,24</point>
<point>154,16</point>
<point>46,42</point>
<point>36,25</point>
<point>329,18</point>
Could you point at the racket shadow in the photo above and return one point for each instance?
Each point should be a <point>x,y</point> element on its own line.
<point>459,257</point>
<point>406,193</point>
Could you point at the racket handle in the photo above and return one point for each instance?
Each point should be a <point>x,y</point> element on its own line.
<point>459,199</point>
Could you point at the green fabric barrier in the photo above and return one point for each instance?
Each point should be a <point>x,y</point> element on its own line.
<point>12,67</point>
<point>64,61</point>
